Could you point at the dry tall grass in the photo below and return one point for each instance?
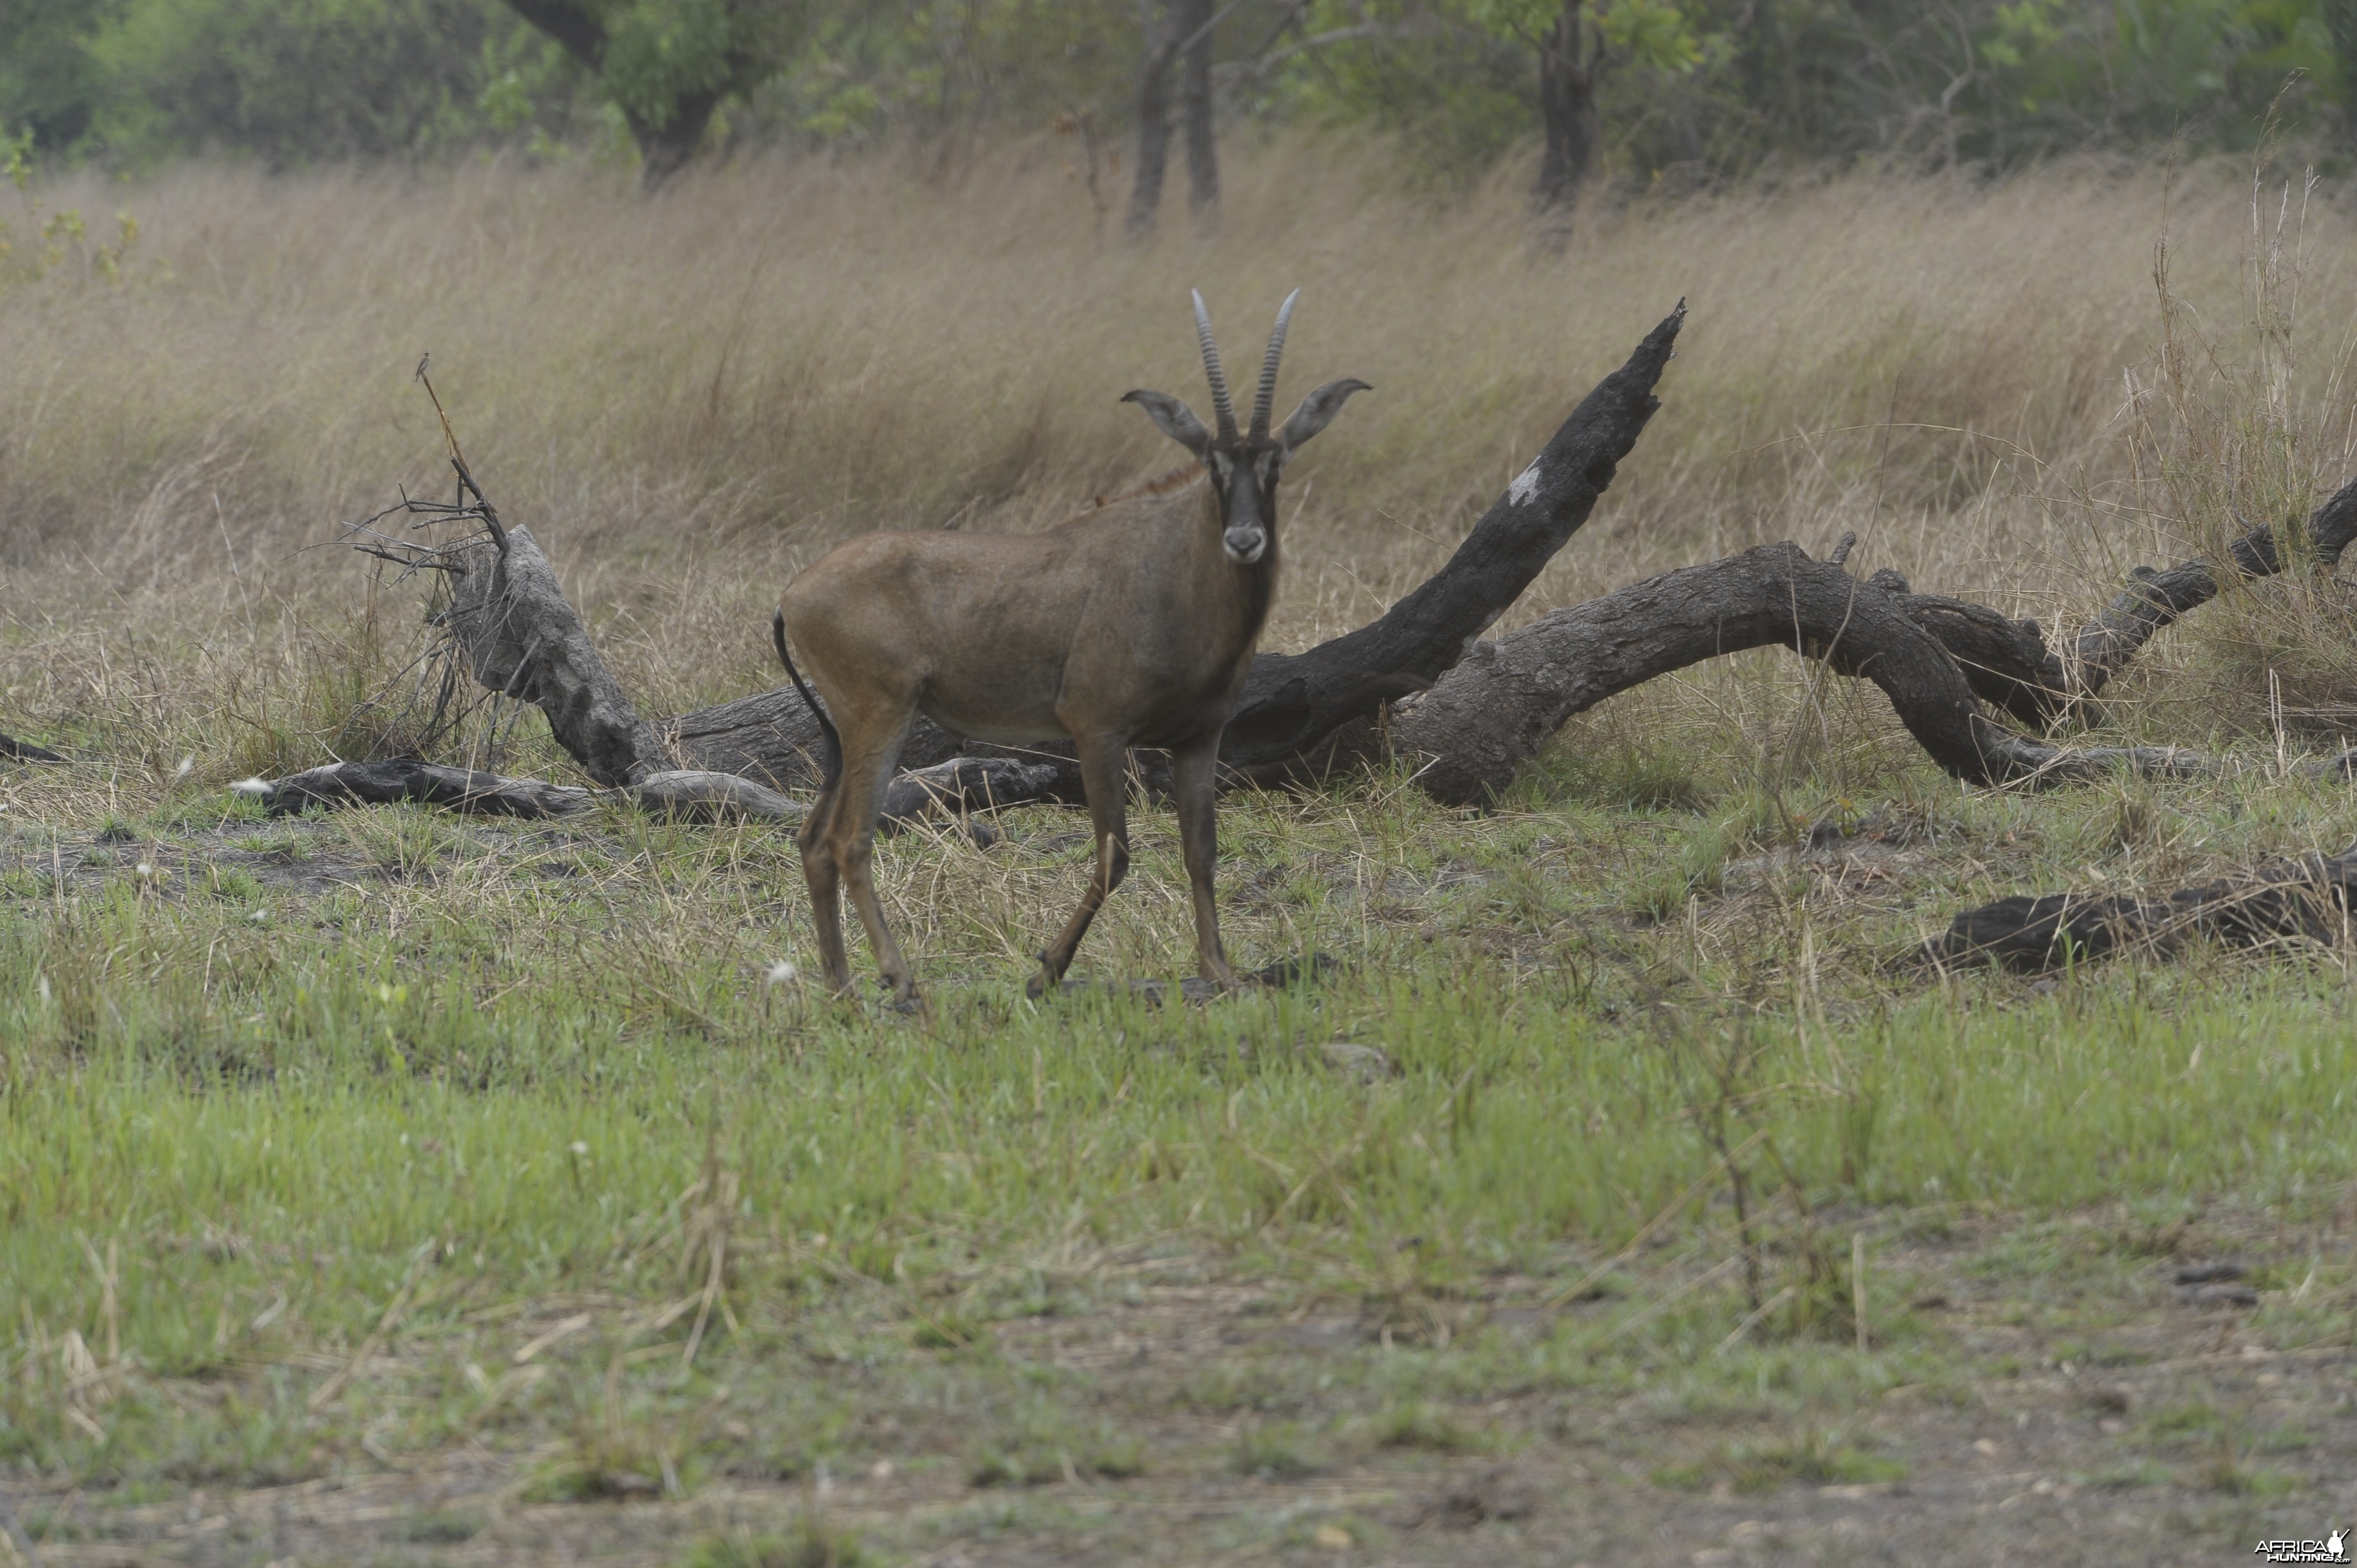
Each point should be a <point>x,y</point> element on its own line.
<point>687,397</point>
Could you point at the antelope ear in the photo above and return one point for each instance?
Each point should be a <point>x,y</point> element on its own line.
<point>1316,412</point>
<point>1173,419</point>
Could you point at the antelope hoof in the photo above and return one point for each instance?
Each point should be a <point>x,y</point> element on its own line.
<point>1042,981</point>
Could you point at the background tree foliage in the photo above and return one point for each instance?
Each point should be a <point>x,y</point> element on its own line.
<point>666,66</point>
<point>1683,90</point>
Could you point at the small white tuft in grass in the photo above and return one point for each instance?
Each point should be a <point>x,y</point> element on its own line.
<point>259,915</point>
<point>251,787</point>
<point>42,984</point>
<point>146,870</point>
<point>188,766</point>
<point>780,972</point>
<point>579,1147</point>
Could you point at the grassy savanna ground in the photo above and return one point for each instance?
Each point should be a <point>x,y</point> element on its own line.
<point>388,1187</point>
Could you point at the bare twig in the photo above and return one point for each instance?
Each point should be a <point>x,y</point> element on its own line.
<point>484,507</point>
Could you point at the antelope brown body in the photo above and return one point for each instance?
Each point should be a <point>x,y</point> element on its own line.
<point>1130,625</point>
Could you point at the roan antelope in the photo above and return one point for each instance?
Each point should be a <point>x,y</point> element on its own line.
<point>1131,624</point>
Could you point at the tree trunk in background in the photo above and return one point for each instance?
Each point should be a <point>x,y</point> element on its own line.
<point>664,149</point>
<point>2340,25</point>
<point>1567,73</point>
<point>1153,121</point>
<point>1191,19</point>
<point>578,30</point>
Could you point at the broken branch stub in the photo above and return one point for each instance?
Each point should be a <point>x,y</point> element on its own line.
<point>522,639</point>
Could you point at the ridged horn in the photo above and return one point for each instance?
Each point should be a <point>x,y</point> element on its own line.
<point>1221,403</point>
<point>1265,402</point>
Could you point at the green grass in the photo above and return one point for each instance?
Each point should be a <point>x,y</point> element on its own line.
<point>1044,1446</point>
<point>811,1542</point>
<point>510,1022</point>
<point>1412,1423</point>
<point>1809,1457</point>
<point>1275,1451</point>
<point>437,1087</point>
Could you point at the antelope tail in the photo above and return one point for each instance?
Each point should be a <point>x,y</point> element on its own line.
<point>832,764</point>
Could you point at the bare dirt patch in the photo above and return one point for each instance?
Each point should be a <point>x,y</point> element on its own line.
<point>2059,1385</point>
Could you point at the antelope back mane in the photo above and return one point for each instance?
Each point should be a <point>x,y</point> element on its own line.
<point>1159,488</point>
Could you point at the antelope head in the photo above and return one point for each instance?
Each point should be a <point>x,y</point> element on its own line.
<point>1244,467</point>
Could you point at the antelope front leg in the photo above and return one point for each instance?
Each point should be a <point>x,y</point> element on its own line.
<point>1194,776</point>
<point>1102,769</point>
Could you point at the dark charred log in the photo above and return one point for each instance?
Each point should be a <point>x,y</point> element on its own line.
<point>2304,900</point>
<point>966,784</point>
<point>2011,668</point>
<point>952,789</point>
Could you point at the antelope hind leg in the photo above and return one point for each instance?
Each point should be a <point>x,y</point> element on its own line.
<point>1101,776</point>
<point>851,838</point>
<point>1193,776</point>
<point>825,877</point>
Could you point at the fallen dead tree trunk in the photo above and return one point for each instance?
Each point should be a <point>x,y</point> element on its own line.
<point>1478,720</point>
<point>427,783</point>
<point>510,626</point>
<point>1485,719</point>
<point>2300,900</point>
